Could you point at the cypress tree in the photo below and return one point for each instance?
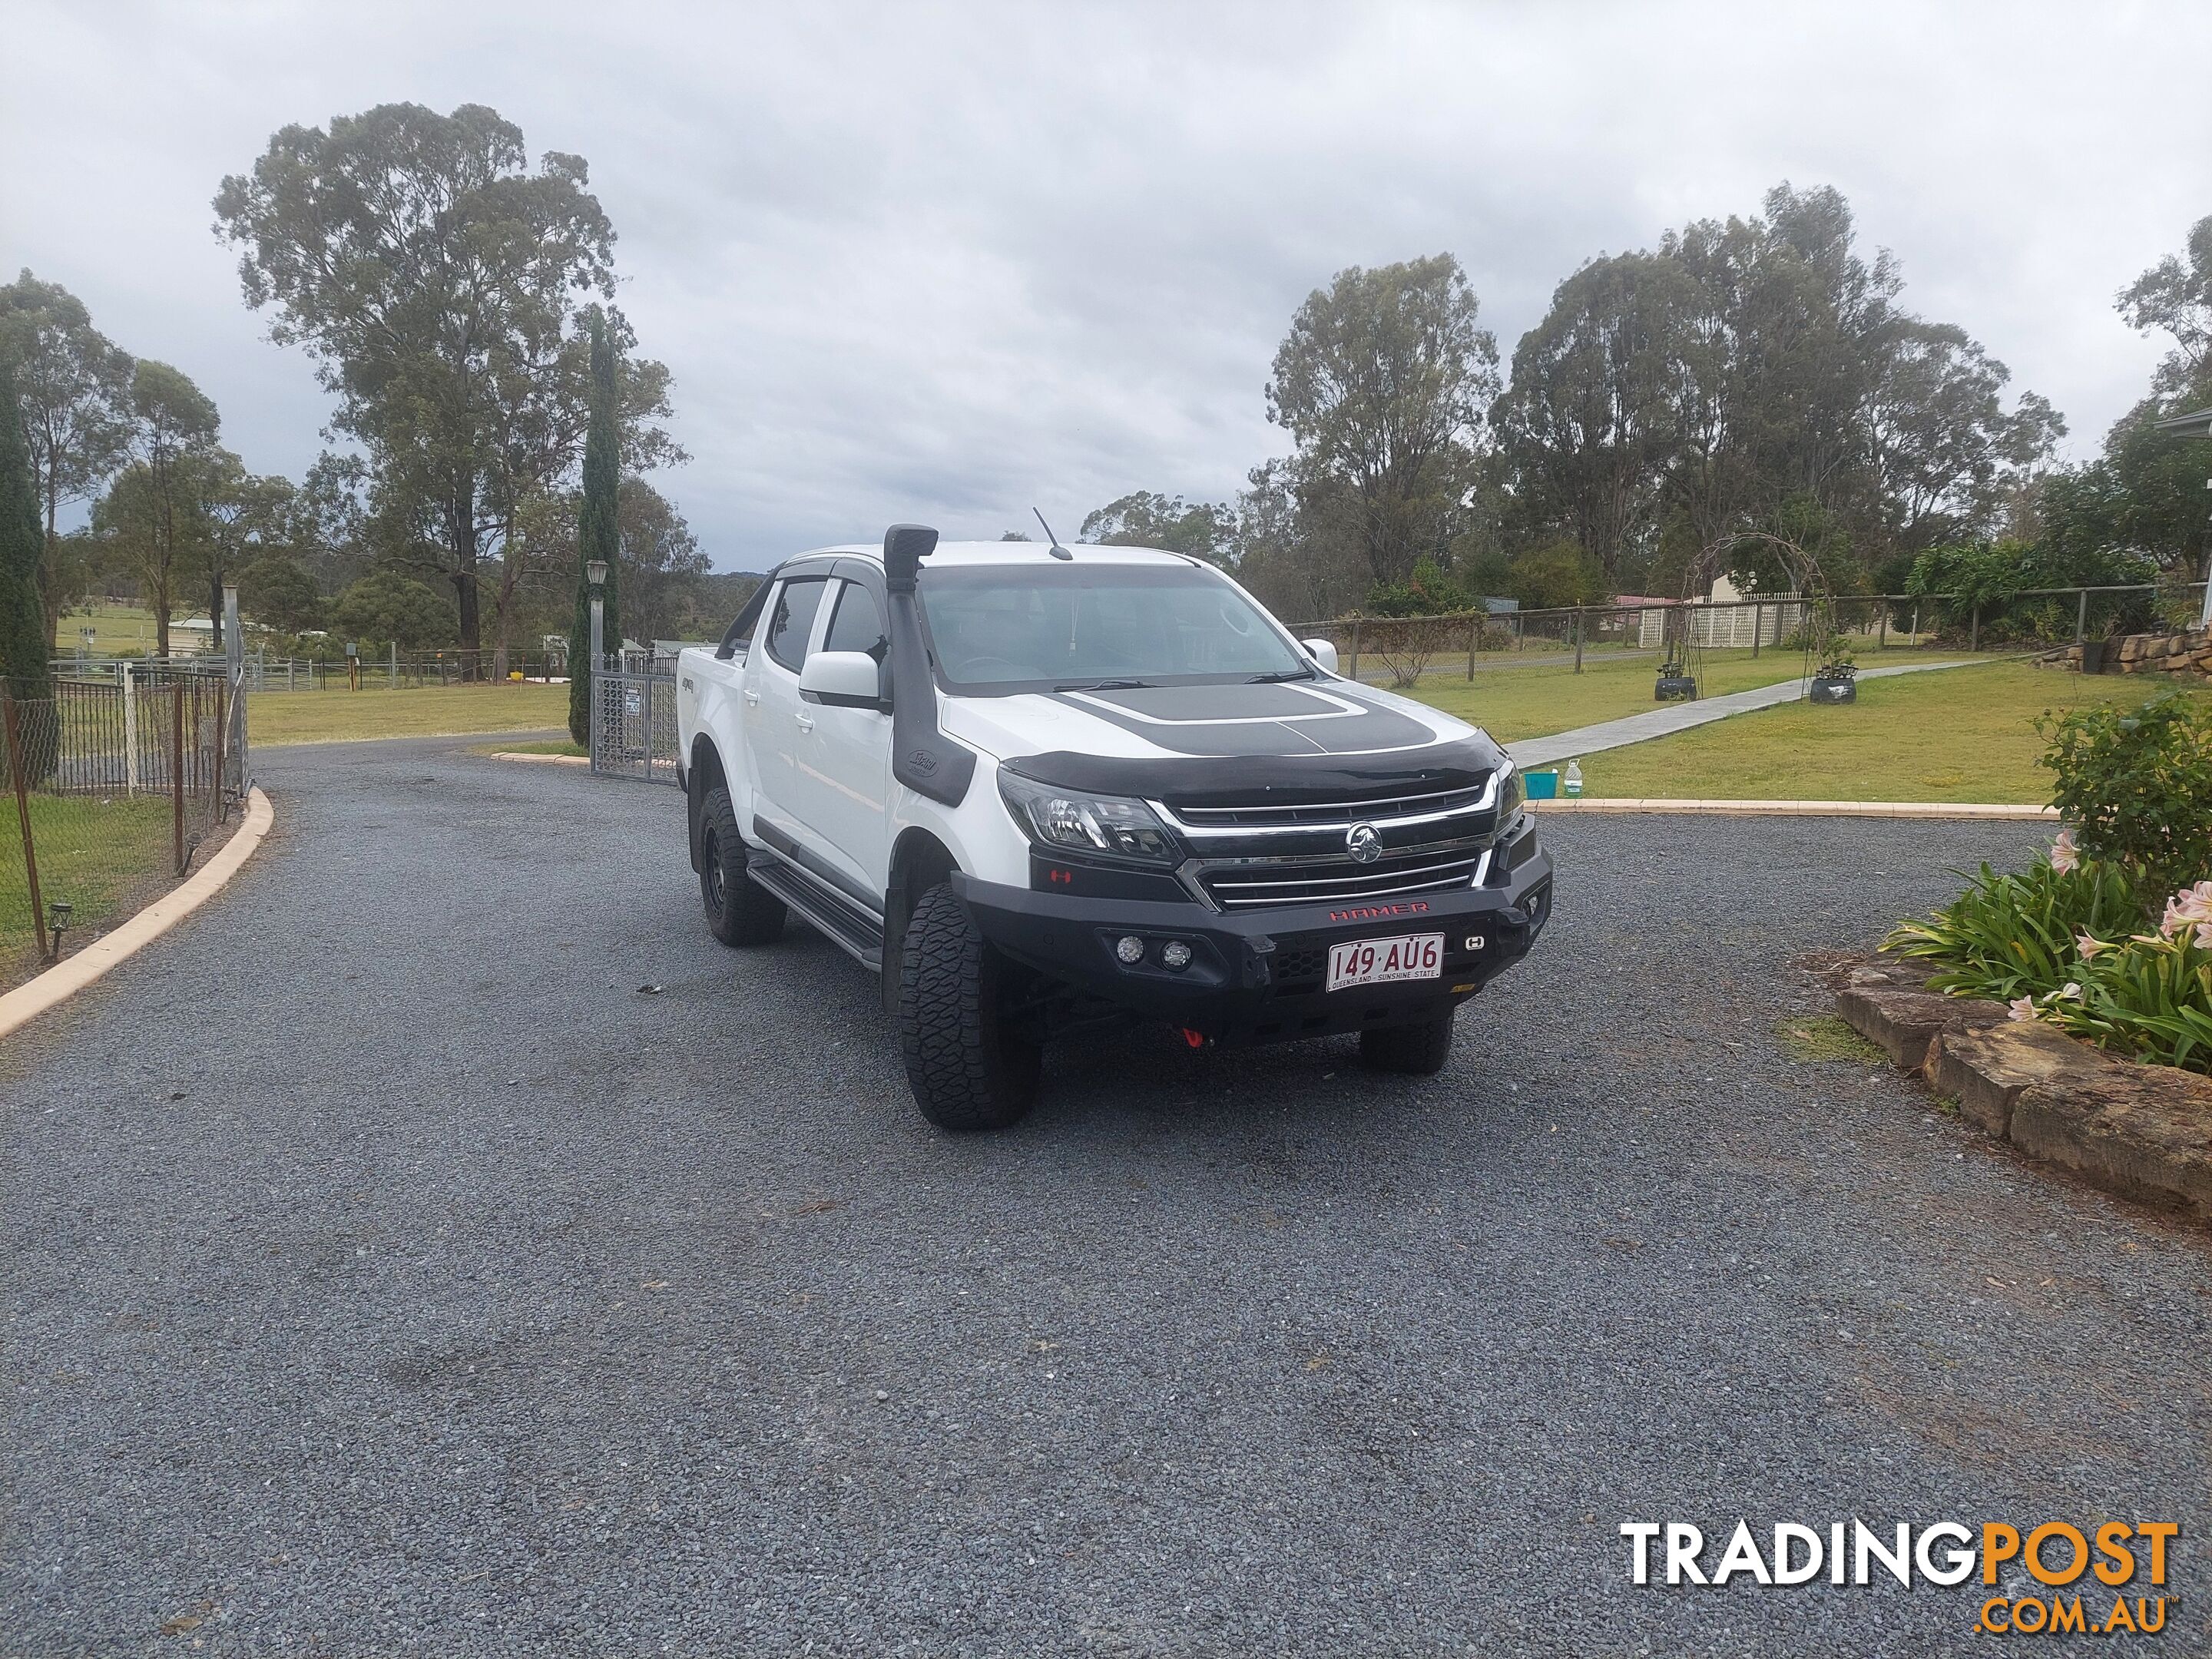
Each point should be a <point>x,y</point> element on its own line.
<point>596,535</point>
<point>25,654</point>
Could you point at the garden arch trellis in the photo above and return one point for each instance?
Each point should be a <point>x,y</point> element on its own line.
<point>1682,651</point>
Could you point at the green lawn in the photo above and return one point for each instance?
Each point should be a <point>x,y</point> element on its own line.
<point>1964,734</point>
<point>1536,700</point>
<point>101,857</point>
<point>116,628</point>
<point>340,716</point>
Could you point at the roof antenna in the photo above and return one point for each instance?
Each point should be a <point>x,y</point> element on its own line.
<point>1055,550</point>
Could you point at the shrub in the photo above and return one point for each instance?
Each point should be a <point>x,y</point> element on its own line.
<point>2135,785</point>
<point>2010,936</point>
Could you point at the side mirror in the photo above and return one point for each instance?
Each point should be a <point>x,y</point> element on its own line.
<point>843,679</point>
<point>1321,651</point>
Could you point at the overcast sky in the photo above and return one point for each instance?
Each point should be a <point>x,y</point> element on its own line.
<point>946,263</point>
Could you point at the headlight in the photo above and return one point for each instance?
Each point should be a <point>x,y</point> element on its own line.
<point>1509,790</point>
<point>1102,826</point>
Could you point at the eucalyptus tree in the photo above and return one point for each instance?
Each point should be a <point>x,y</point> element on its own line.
<point>155,515</point>
<point>1383,382</point>
<point>1759,374</point>
<point>2146,492</point>
<point>1205,530</point>
<point>442,285</point>
<point>73,386</point>
<point>1589,423</point>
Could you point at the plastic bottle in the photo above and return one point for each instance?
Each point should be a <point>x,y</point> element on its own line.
<point>1573,781</point>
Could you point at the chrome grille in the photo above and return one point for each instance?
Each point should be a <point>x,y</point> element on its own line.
<point>1254,826</point>
<point>1335,815</point>
<point>1248,884</point>
<point>1254,853</point>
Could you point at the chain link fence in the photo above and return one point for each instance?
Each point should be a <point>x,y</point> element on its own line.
<point>112,786</point>
<point>1401,650</point>
<point>392,670</point>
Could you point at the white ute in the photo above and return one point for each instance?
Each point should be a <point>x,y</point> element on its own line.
<point>1041,788</point>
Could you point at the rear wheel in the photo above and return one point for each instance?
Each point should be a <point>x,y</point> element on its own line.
<point>969,1069</point>
<point>738,913</point>
<point>1417,1050</point>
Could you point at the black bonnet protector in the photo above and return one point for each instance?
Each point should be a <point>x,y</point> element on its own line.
<point>1273,779</point>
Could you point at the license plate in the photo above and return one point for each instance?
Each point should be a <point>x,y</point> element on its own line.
<point>1378,961</point>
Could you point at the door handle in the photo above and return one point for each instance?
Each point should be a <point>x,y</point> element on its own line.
<point>751,695</point>
<point>805,722</point>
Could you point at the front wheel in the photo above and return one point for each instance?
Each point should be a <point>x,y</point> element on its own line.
<point>1416,1050</point>
<point>968,1068</point>
<point>738,913</point>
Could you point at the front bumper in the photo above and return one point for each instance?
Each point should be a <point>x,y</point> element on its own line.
<point>1257,975</point>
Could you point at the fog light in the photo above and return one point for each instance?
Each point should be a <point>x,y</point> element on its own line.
<point>1175,954</point>
<point>1129,948</point>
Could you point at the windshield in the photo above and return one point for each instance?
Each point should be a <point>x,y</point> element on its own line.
<point>1033,628</point>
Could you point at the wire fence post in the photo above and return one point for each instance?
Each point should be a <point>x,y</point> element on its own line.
<point>1474,641</point>
<point>221,741</point>
<point>23,817</point>
<point>1578,639</point>
<point>1881,624</point>
<point>177,772</point>
<point>1916,623</point>
<point>130,733</point>
<point>1355,648</point>
<point>1974,628</point>
<point>2082,618</point>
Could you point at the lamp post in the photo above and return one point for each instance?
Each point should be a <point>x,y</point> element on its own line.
<point>595,573</point>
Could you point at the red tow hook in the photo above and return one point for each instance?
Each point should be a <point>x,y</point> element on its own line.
<point>1196,1039</point>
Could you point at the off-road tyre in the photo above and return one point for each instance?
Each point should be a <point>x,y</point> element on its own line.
<point>737,911</point>
<point>967,1070</point>
<point>1416,1050</point>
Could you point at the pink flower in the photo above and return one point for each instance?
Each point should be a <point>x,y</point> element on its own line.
<point>2072,988</point>
<point>2064,855</point>
<point>2086,945</point>
<point>2022,1008</point>
<point>2190,907</point>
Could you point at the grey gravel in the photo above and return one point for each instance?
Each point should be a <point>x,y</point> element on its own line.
<point>383,1274</point>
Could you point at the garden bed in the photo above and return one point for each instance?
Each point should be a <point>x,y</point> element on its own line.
<point>2141,1131</point>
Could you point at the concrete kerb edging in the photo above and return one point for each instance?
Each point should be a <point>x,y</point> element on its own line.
<point>549,760</point>
<point>1808,809</point>
<point>26,1002</point>
<point>2143,1132</point>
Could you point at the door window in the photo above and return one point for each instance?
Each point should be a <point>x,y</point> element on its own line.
<point>858,624</point>
<point>792,621</point>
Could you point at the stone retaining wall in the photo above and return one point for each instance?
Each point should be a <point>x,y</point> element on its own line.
<point>2144,1132</point>
<point>2184,655</point>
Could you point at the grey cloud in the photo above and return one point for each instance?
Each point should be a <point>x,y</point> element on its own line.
<point>948,262</point>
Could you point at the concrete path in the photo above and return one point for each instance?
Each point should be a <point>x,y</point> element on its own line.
<point>439,1245</point>
<point>1668,718</point>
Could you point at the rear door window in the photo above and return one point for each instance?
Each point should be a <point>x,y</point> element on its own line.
<point>791,620</point>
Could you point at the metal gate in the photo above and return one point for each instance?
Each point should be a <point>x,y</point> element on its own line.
<point>634,720</point>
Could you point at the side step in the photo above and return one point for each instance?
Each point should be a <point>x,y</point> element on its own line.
<point>829,913</point>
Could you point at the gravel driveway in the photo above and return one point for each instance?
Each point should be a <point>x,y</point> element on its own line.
<point>386,1273</point>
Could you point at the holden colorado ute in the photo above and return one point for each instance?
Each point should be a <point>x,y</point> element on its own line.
<point>1039,788</point>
